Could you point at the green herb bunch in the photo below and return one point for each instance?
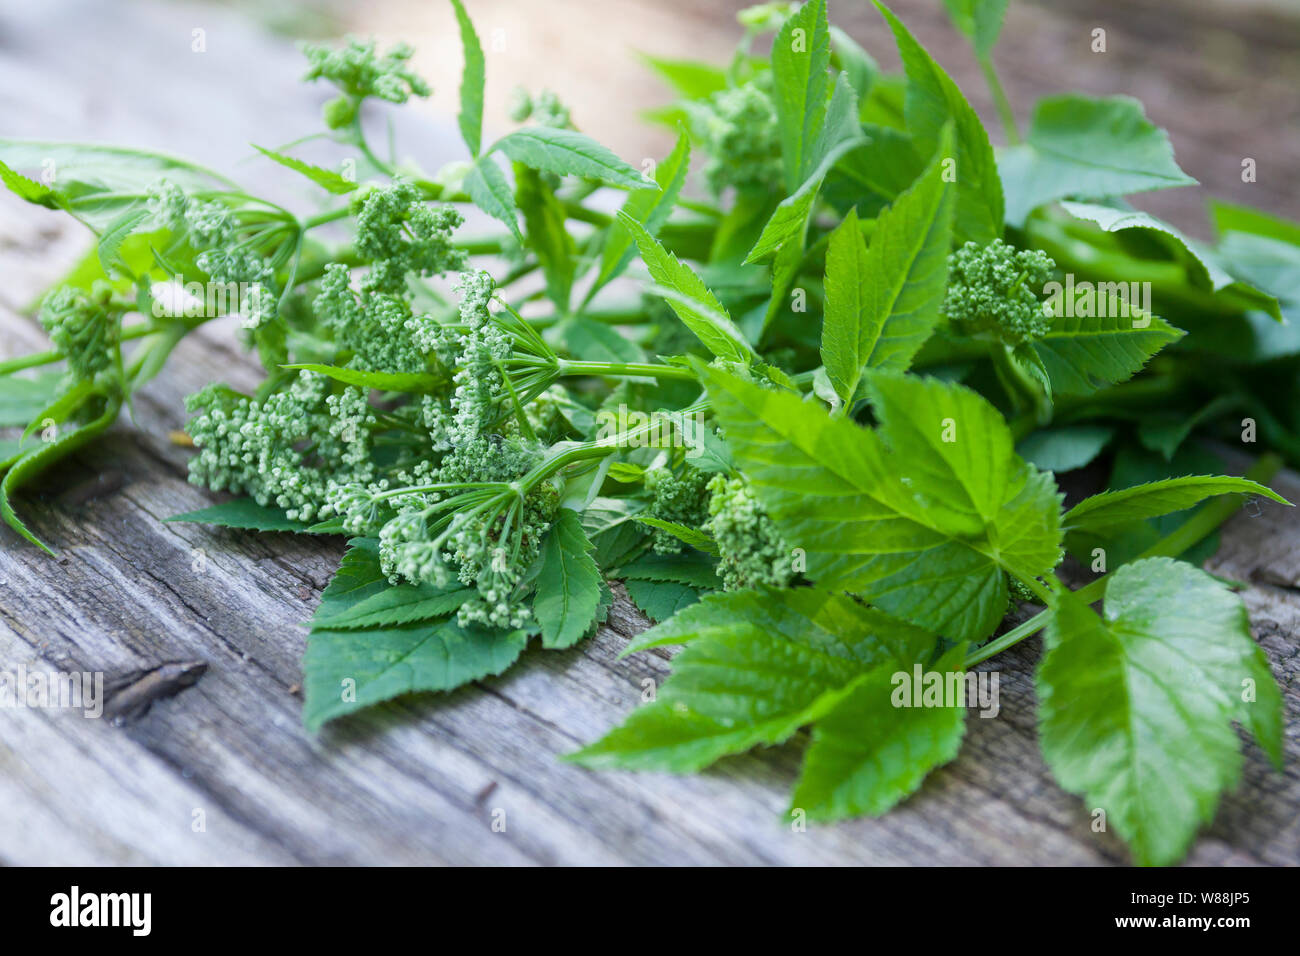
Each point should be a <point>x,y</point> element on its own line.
<point>811,418</point>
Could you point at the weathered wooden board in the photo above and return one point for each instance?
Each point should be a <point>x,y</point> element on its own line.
<point>417,781</point>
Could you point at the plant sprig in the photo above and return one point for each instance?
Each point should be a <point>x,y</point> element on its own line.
<point>818,445</point>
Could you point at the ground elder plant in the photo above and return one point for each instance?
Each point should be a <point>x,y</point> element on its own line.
<point>808,403</point>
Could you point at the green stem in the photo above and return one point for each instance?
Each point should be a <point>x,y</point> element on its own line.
<point>438,487</point>
<point>521,417</point>
<point>598,449</point>
<point>320,219</point>
<point>1023,391</point>
<point>646,369</point>
<point>1196,529</point>
<point>37,359</point>
<point>581,213</point>
<point>1010,638</point>
<point>138,362</point>
<point>361,144</point>
<point>1169,284</point>
<point>30,361</point>
<point>1005,112</point>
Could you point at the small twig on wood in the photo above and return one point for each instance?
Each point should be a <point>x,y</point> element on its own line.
<point>131,696</point>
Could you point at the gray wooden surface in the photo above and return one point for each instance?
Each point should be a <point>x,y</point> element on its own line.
<point>421,780</point>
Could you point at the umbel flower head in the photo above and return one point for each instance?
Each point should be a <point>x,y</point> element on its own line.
<point>680,498</point>
<point>401,235</point>
<point>752,551</point>
<point>359,71</point>
<point>738,130</point>
<point>992,292</point>
<point>85,328</point>
<point>287,450</point>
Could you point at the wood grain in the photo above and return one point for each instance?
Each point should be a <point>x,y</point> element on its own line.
<point>421,780</point>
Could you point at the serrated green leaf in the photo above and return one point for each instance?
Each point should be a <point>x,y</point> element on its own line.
<point>471,83</point>
<point>1157,498</point>
<point>698,570</point>
<point>695,538</point>
<point>1084,353</point>
<point>979,20</point>
<point>99,182</point>
<point>921,517</point>
<point>1087,148</point>
<point>1135,708</point>
<point>784,235</point>
<point>1268,261</point>
<point>883,301</point>
<point>23,399</point>
<point>487,186</point>
<point>757,667</point>
<point>1204,266</point>
<point>933,100</point>
<point>360,595</point>
<point>868,752</point>
<point>548,237</point>
<point>345,671</point>
<point>1229,217</point>
<point>705,450</point>
<point>626,472</point>
<point>785,270</point>
<point>327,179</point>
<point>28,189</point>
<point>569,153</point>
<point>692,79</point>
<point>1066,447</point>
<point>29,465</point>
<point>660,600</point>
<point>787,224</point>
<point>871,175</point>
<point>244,513</point>
<point>114,234</point>
<point>358,579</point>
<point>334,525</point>
<point>1207,270</point>
<point>840,134</point>
<point>651,209</point>
<point>568,585</point>
<point>801,86</point>
<point>1133,466</point>
<point>62,408</point>
<point>697,307</point>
